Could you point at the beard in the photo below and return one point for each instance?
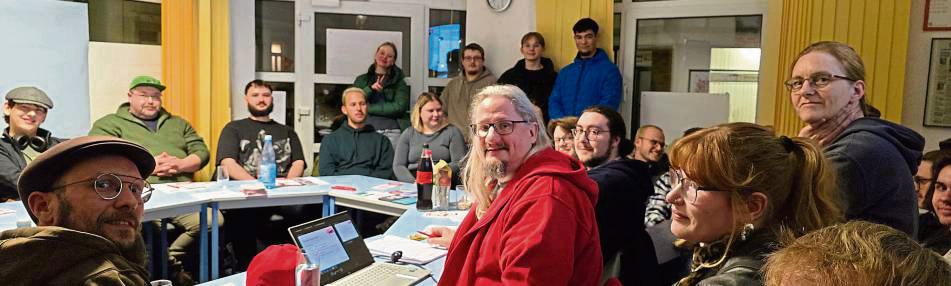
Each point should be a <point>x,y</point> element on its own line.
<point>595,161</point>
<point>258,113</point>
<point>494,168</point>
<point>129,240</point>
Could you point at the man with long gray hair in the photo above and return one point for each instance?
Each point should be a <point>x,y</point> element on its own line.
<point>533,203</point>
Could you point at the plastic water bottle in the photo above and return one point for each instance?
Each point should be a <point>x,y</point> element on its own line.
<point>267,170</point>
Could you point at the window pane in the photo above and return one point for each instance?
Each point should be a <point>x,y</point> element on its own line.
<point>447,30</point>
<point>617,37</point>
<point>706,54</point>
<point>124,21</point>
<point>327,103</point>
<point>326,21</point>
<point>288,89</point>
<point>274,36</point>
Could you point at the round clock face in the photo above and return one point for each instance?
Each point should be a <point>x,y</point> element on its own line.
<point>499,5</point>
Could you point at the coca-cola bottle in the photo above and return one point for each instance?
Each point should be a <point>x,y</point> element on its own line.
<point>424,180</point>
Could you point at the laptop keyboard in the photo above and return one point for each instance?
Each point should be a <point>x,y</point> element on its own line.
<point>377,273</point>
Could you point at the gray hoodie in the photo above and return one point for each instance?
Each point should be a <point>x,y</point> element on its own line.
<point>458,95</point>
<point>874,161</point>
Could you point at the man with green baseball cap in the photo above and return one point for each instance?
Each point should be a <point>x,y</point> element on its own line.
<point>176,146</point>
<point>25,109</point>
<point>147,81</point>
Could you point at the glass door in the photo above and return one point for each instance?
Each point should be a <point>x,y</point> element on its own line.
<point>693,46</point>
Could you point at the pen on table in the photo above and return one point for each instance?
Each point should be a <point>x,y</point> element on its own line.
<point>426,234</point>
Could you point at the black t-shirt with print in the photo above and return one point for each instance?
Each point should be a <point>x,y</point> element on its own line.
<point>242,139</point>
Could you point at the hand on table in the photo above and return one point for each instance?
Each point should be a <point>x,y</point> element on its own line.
<point>441,235</point>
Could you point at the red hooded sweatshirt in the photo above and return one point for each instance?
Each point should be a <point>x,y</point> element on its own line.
<point>540,230</point>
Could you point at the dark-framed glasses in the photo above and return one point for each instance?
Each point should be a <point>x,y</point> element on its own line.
<point>567,138</point>
<point>688,188</point>
<point>589,134</point>
<point>502,127</point>
<point>818,80</point>
<point>108,186</point>
<point>919,180</point>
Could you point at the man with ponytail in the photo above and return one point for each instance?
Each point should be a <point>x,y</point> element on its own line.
<point>736,187</point>
<point>623,188</point>
<point>533,221</point>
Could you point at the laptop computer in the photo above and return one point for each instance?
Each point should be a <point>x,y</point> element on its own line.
<point>344,258</point>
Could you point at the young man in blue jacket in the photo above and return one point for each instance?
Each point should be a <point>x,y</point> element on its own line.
<point>592,79</point>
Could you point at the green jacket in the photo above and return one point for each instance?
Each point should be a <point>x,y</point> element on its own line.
<point>349,151</point>
<point>395,94</point>
<point>50,255</point>
<point>174,136</point>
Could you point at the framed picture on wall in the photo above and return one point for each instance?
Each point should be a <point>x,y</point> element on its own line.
<point>937,15</point>
<point>938,95</point>
<point>699,81</point>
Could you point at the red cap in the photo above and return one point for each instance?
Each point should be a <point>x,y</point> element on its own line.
<point>274,266</point>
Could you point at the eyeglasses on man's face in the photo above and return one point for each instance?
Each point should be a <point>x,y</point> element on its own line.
<point>502,127</point>
<point>922,181</point>
<point>592,133</point>
<point>688,188</point>
<point>109,186</point>
<point>818,80</point>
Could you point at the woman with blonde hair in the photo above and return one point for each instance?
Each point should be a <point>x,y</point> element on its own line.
<point>387,93</point>
<point>429,127</point>
<point>735,187</point>
<point>856,253</point>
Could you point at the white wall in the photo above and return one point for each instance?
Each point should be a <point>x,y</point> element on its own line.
<point>45,45</point>
<point>242,53</point>
<point>916,78</point>
<point>499,33</point>
<point>112,66</point>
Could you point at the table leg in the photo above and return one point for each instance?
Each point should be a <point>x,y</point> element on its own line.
<point>203,244</point>
<point>214,240</point>
<point>163,250</point>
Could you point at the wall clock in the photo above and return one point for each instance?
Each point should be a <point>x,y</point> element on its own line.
<point>499,5</point>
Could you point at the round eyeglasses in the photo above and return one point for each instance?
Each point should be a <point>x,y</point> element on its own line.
<point>109,186</point>
<point>688,188</point>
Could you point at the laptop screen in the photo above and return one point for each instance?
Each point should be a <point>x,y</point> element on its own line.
<point>334,243</point>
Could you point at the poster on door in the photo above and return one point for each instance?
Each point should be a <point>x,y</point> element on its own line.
<point>938,99</point>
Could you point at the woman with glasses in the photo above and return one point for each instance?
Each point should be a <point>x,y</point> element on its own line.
<point>560,132</point>
<point>387,93</point>
<point>429,127</point>
<point>874,159</point>
<point>736,187</point>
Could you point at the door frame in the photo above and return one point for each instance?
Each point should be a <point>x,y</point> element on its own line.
<point>631,12</point>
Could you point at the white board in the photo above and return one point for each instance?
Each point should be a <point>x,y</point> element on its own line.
<point>676,112</point>
<point>46,45</point>
<point>350,52</point>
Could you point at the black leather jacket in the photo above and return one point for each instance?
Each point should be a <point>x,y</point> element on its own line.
<point>741,268</point>
<point>12,162</point>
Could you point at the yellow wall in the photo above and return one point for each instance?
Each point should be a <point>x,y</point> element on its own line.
<point>554,19</point>
<point>195,67</point>
<point>878,30</point>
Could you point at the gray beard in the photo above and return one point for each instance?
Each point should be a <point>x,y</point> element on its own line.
<point>494,168</point>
